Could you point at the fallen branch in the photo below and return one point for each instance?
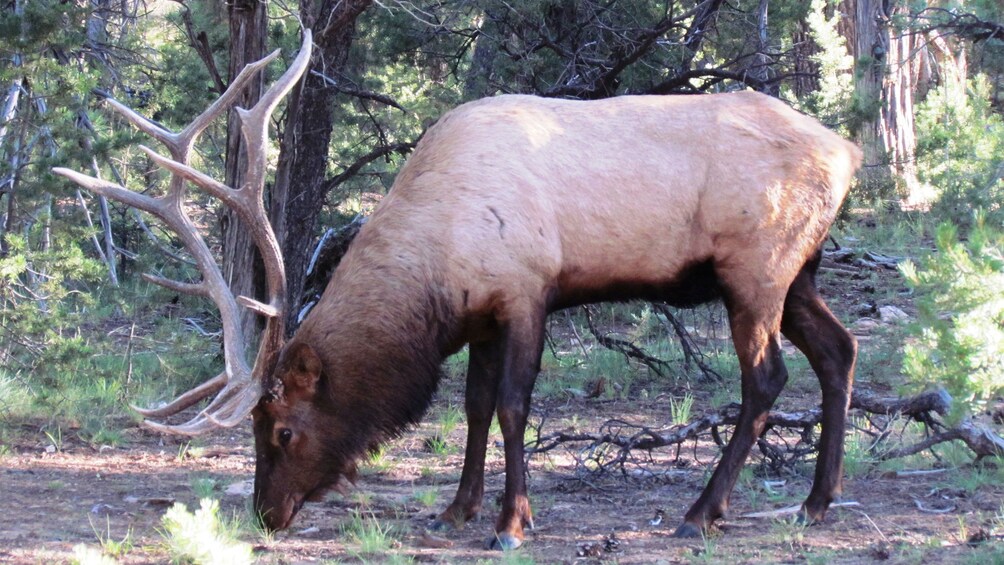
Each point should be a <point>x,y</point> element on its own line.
<point>627,437</point>
<point>625,348</point>
<point>691,351</point>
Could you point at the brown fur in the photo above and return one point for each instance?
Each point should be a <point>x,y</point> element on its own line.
<point>513,207</point>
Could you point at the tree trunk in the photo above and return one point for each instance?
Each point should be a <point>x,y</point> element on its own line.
<point>242,267</point>
<point>762,61</point>
<point>887,77</point>
<point>298,195</point>
<point>898,131</point>
<point>478,80</point>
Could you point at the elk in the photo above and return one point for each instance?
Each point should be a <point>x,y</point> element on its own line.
<point>509,209</point>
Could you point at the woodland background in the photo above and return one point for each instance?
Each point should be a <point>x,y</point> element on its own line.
<point>918,85</point>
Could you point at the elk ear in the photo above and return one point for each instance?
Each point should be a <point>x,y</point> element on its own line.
<point>304,370</point>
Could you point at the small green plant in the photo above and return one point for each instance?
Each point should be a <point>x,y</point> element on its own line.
<point>368,534</point>
<point>708,552</point>
<point>109,545</point>
<point>753,491</point>
<point>183,451</point>
<point>203,537</point>
<point>204,487</point>
<point>425,497</point>
<point>438,445</point>
<point>87,555</point>
<point>362,499</point>
<point>791,531</point>
<point>252,525</point>
<point>55,439</point>
<point>858,458</point>
<point>105,436</point>
<point>377,460</point>
<point>449,419</point>
<point>680,411</point>
<point>973,478</point>
<point>963,530</point>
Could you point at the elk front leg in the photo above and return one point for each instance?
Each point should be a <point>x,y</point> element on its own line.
<point>524,343</point>
<point>763,377</point>
<point>483,371</point>
<point>831,351</point>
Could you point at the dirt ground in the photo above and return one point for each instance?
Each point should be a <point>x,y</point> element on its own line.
<point>52,501</point>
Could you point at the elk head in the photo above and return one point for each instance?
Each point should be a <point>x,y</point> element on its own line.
<point>239,388</point>
<point>298,458</point>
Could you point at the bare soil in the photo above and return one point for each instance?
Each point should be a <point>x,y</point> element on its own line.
<point>53,501</point>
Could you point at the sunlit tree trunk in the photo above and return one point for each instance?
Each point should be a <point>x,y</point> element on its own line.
<point>887,73</point>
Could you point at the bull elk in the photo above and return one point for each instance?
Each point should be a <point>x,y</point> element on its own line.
<point>511,208</point>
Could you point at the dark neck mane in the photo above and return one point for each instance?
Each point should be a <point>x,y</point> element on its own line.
<point>381,332</point>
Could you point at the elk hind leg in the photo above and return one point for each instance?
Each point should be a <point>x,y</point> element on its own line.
<point>755,335</point>
<point>831,351</point>
<point>484,366</point>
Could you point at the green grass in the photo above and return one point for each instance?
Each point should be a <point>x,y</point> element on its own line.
<point>438,445</point>
<point>425,497</point>
<point>449,419</point>
<point>789,532</point>
<point>377,461</point>
<point>680,412</point>
<point>109,545</point>
<point>204,487</point>
<point>55,438</point>
<point>368,535</point>
<point>859,460</point>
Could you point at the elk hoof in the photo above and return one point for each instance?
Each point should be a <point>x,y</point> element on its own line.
<point>439,525</point>
<point>503,542</point>
<point>806,518</point>
<point>687,530</point>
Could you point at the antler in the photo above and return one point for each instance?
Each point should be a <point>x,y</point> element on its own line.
<point>238,387</point>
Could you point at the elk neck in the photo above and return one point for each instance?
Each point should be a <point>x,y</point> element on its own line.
<point>382,329</point>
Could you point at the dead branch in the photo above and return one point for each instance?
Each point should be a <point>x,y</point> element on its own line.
<point>625,348</point>
<point>691,351</point>
<point>626,437</point>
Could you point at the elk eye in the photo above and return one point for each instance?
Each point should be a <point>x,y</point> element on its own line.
<point>285,435</point>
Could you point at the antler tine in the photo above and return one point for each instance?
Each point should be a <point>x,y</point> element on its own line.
<point>179,143</point>
<point>227,409</point>
<point>187,399</point>
<point>227,98</point>
<point>254,122</point>
<point>197,289</point>
<point>115,192</point>
<point>234,389</point>
<point>149,127</point>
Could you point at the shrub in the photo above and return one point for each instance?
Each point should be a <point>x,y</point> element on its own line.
<point>959,339</point>
<point>202,537</point>
<point>960,144</point>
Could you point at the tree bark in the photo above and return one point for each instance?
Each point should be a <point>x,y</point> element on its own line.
<point>242,267</point>
<point>762,61</point>
<point>298,195</point>
<point>887,77</point>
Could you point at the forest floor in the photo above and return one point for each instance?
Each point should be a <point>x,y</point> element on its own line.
<point>54,497</point>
